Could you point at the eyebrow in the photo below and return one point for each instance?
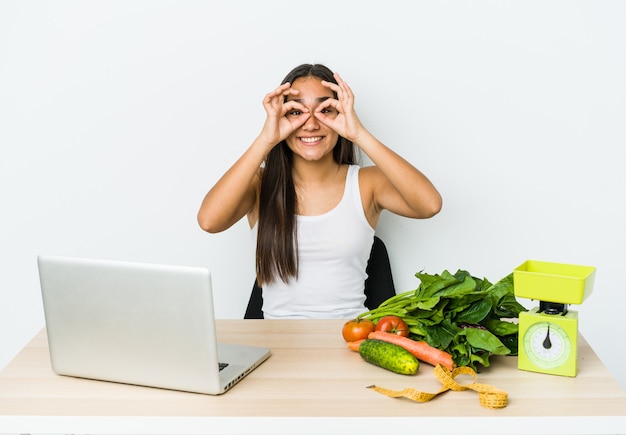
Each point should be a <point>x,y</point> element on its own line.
<point>318,100</point>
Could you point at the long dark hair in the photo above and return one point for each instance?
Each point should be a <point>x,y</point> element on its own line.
<point>277,244</point>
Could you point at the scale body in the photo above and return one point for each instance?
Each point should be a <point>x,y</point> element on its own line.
<point>548,343</point>
<point>548,334</point>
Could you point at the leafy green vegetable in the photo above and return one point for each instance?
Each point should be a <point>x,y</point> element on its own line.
<point>460,314</point>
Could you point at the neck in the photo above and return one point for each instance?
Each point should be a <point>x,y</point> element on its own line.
<point>305,172</point>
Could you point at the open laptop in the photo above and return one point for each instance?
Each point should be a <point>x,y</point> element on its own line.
<point>141,324</point>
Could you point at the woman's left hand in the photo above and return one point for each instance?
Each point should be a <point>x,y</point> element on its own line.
<point>345,120</point>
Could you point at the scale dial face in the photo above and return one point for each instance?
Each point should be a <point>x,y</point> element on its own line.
<point>547,345</point>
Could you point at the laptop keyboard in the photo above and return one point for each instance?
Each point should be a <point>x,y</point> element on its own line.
<point>222,366</point>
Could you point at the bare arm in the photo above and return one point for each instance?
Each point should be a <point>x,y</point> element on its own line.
<point>235,194</point>
<point>393,184</point>
<point>398,186</point>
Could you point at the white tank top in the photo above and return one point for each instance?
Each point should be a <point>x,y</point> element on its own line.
<point>333,250</point>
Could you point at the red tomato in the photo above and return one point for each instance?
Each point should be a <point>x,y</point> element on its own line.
<point>357,329</point>
<point>394,325</point>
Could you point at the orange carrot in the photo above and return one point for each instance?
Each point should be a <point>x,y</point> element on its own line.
<point>354,345</point>
<point>420,349</point>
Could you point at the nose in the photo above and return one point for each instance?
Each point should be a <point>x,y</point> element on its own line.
<point>311,123</point>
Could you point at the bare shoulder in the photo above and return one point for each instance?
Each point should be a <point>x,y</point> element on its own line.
<point>370,177</point>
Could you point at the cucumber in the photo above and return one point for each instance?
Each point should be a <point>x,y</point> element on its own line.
<point>388,356</point>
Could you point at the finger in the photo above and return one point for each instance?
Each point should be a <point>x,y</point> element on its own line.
<point>342,90</point>
<point>278,91</point>
<point>291,105</point>
<point>324,119</point>
<point>341,82</point>
<point>300,120</point>
<point>286,93</point>
<point>329,102</point>
<point>344,86</point>
<point>326,116</point>
<point>282,88</point>
<point>332,86</point>
<point>275,104</point>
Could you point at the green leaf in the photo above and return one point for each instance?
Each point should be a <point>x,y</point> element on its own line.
<point>437,309</point>
<point>440,335</point>
<point>431,284</point>
<point>501,288</point>
<point>483,339</point>
<point>476,312</point>
<point>480,357</point>
<point>460,289</point>
<point>444,333</point>
<point>511,341</point>
<point>460,354</point>
<point>503,296</point>
<point>459,304</point>
<point>508,307</point>
<point>501,327</point>
<point>428,304</point>
<point>482,284</point>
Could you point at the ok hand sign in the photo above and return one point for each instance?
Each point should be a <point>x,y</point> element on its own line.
<point>346,123</point>
<point>277,125</point>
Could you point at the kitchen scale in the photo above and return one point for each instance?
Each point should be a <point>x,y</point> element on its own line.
<point>548,334</point>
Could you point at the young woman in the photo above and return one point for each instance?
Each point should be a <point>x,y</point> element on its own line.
<point>312,209</point>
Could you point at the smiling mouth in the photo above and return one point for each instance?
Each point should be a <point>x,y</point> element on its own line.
<point>311,139</point>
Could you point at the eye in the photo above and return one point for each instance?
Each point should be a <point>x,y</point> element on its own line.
<point>328,110</point>
<point>294,113</point>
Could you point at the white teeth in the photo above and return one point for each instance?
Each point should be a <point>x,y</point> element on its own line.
<point>311,139</point>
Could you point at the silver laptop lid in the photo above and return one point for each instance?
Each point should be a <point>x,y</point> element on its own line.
<point>134,323</point>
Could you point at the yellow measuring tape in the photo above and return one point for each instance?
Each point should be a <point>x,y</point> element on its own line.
<point>488,396</point>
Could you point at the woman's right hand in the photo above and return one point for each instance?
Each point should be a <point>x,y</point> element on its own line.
<point>283,117</point>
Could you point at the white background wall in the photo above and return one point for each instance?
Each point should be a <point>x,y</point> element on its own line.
<point>116,117</point>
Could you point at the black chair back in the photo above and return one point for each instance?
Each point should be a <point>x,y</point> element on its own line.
<point>378,286</point>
